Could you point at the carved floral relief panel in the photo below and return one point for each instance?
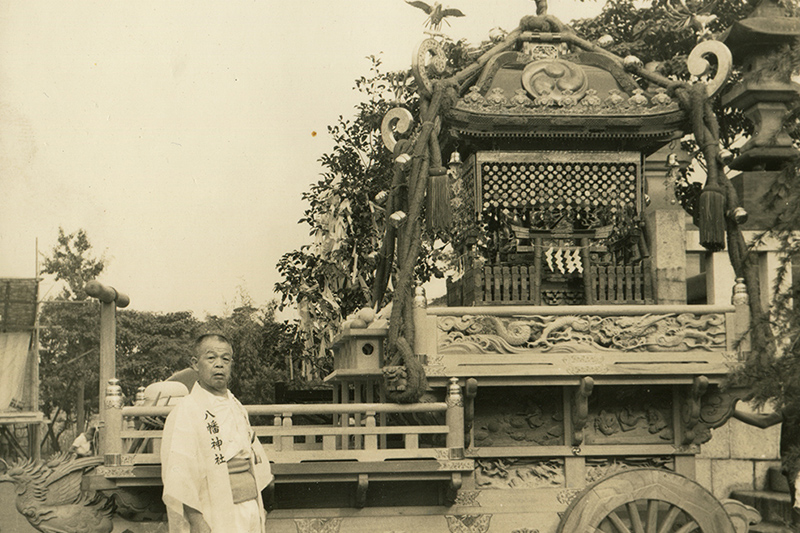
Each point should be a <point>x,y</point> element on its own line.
<point>581,333</point>
<point>521,417</point>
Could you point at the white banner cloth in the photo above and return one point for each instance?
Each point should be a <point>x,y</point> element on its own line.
<point>13,356</point>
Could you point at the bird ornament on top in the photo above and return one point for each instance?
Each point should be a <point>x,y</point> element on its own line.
<point>437,13</point>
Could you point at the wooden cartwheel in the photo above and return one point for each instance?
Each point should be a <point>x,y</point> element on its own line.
<point>645,500</point>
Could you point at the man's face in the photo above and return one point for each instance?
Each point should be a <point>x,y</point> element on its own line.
<point>213,364</point>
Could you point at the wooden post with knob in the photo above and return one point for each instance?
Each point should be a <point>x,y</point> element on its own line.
<point>455,419</point>
<point>110,300</point>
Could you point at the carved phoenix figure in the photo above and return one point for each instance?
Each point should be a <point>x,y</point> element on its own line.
<point>49,495</point>
<point>436,13</point>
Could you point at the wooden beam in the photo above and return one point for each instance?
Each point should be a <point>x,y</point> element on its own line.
<point>453,488</point>
<point>580,409</point>
<point>361,490</point>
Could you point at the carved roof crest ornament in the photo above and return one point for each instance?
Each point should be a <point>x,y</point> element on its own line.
<point>553,78</point>
<point>699,66</point>
<point>543,50</point>
<point>429,61</point>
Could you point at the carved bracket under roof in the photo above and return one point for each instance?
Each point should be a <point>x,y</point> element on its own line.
<point>705,408</point>
<point>691,410</point>
<point>718,405</point>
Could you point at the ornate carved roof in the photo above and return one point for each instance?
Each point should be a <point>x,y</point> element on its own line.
<point>545,91</point>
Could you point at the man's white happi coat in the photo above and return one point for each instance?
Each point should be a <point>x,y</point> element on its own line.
<point>201,434</point>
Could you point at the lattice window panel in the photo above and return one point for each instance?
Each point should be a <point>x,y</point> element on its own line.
<point>564,180</point>
<point>18,303</point>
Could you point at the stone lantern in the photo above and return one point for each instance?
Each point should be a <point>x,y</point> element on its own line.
<point>763,95</point>
<point>765,91</point>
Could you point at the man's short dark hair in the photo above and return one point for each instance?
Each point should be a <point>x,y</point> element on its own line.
<point>209,335</point>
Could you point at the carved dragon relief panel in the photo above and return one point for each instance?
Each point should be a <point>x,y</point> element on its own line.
<point>630,415</point>
<point>517,473</point>
<point>518,418</point>
<point>598,468</point>
<point>581,333</point>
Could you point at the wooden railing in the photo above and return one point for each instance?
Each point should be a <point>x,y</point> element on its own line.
<point>519,284</point>
<point>300,433</point>
<point>498,284</point>
<point>619,284</point>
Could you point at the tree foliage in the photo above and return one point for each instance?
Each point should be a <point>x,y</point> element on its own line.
<point>70,261</point>
<point>264,350</point>
<point>152,346</point>
<point>662,36</point>
<point>69,338</point>
<point>149,346</point>
<point>333,276</point>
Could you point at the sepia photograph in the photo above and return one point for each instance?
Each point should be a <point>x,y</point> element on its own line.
<point>395,266</point>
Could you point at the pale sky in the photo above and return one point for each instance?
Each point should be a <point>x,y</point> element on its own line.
<point>179,134</point>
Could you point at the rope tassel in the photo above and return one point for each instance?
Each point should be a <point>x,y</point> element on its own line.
<point>711,218</point>
<point>439,215</point>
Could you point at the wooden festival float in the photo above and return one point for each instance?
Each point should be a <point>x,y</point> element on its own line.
<point>568,385</point>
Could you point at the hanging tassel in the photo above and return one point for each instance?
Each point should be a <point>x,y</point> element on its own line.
<point>711,218</point>
<point>438,208</point>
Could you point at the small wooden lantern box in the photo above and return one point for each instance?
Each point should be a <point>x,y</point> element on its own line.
<point>359,349</point>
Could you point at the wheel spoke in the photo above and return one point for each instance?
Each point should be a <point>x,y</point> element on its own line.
<point>636,520</point>
<point>652,516</point>
<point>645,500</point>
<point>669,520</point>
<point>618,523</point>
<point>688,528</point>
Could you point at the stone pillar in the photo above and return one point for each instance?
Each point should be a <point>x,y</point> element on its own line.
<point>720,278</point>
<point>666,229</point>
<point>660,173</point>
<point>741,301</point>
<point>665,220</point>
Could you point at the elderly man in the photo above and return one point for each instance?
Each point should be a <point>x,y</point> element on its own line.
<point>212,465</point>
